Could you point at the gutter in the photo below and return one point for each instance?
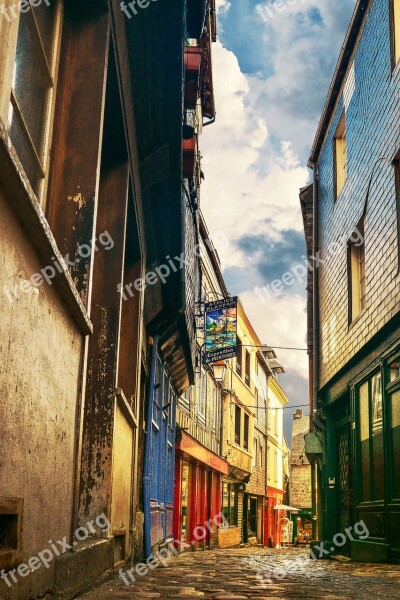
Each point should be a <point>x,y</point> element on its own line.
<point>147,454</point>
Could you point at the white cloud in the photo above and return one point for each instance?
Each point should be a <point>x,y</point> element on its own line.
<point>222,6</point>
<point>255,154</point>
<point>236,195</point>
<point>280,321</point>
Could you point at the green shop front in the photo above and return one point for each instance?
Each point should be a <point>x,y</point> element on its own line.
<point>361,472</point>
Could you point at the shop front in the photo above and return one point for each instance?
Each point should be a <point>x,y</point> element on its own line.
<point>302,526</point>
<point>272,529</point>
<point>198,493</point>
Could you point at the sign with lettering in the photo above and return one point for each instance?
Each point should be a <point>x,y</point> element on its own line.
<point>220,330</point>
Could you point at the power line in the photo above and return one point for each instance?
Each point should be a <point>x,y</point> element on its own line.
<point>273,347</point>
<point>277,408</point>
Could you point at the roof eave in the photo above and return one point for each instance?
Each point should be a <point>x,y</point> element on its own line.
<point>338,77</point>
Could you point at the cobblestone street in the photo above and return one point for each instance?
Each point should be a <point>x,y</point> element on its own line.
<point>233,575</point>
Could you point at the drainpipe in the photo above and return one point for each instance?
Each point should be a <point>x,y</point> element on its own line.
<point>315,375</point>
<point>147,453</point>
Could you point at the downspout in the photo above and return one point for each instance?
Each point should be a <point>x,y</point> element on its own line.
<point>267,507</point>
<point>147,453</point>
<point>315,300</point>
<point>315,366</point>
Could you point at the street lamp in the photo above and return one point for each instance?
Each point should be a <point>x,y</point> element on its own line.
<point>219,369</point>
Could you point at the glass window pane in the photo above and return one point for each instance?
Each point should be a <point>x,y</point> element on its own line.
<point>378,467</point>
<point>394,370</point>
<point>225,501</point>
<point>364,442</point>
<point>31,82</point>
<point>45,15</point>
<point>232,517</point>
<point>395,426</point>
<point>23,149</point>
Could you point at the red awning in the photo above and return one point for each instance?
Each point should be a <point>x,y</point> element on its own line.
<point>194,449</point>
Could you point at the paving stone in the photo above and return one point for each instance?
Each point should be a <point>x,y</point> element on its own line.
<point>234,575</point>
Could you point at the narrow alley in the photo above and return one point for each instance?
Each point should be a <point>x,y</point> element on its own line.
<point>257,574</point>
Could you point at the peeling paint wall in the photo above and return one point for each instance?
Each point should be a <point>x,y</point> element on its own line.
<point>40,350</point>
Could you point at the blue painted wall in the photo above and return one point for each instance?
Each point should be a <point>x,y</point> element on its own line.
<point>159,457</point>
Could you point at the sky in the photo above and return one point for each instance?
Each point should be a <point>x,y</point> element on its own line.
<point>272,67</point>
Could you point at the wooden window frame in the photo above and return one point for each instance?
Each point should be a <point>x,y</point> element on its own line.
<point>42,159</point>
<point>202,404</point>
<point>246,432</point>
<point>396,165</point>
<point>357,284</point>
<point>239,357</point>
<point>340,150</point>
<point>238,425</point>
<point>247,368</point>
<point>394,39</point>
<point>368,381</point>
<point>231,490</point>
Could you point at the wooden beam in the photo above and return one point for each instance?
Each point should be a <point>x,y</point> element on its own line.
<point>76,150</point>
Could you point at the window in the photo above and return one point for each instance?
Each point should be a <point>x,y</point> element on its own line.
<point>357,280</point>
<point>397,175</point>
<point>395,443</point>
<point>257,406</point>
<point>255,453</point>
<point>239,356</point>
<point>276,466</point>
<point>202,397</point>
<point>246,432</point>
<point>277,421</point>
<point>229,503</point>
<point>238,424</point>
<point>261,460</point>
<point>215,409</point>
<point>371,439</point>
<point>269,462</point>
<point>395,32</point>
<point>247,376</point>
<point>186,399</point>
<point>340,153</point>
<point>33,84</point>
<point>394,370</point>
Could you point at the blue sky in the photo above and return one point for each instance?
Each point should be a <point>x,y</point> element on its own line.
<point>272,64</point>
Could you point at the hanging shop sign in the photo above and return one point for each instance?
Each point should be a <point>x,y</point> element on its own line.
<point>220,330</point>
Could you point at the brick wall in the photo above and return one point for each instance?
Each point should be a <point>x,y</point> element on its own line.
<point>256,484</point>
<point>300,470</point>
<point>300,486</point>
<point>372,132</point>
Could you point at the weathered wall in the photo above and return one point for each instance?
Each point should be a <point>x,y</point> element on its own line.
<point>39,377</point>
<point>257,482</point>
<point>300,486</point>
<point>372,134</point>
<point>300,469</point>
